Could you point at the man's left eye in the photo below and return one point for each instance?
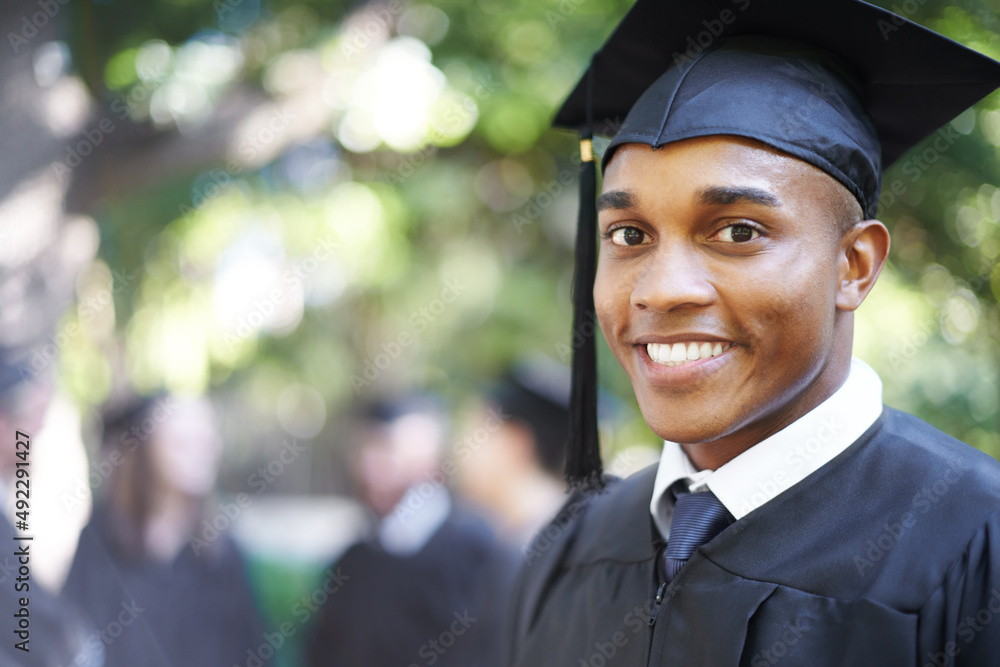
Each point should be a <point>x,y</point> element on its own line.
<point>738,234</point>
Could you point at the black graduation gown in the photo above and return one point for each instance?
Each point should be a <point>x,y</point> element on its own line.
<point>197,611</point>
<point>57,632</point>
<point>442,606</point>
<point>887,555</point>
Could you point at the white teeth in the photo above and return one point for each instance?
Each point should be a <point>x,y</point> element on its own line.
<point>681,353</point>
<point>653,350</point>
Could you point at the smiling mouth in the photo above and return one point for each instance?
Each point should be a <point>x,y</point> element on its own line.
<point>680,354</point>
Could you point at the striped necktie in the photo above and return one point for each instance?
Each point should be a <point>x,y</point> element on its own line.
<point>698,517</point>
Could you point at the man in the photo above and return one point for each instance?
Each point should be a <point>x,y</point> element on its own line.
<point>423,590</point>
<point>57,633</point>
<point>791,517</point>
<point>513,467</point>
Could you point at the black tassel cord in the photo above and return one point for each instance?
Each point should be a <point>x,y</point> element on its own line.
<point>583,455</point>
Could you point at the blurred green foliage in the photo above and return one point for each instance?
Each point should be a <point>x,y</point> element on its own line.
<point>362,258</point>
<point>357,259</point>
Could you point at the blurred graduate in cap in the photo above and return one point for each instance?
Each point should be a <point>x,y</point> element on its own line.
<point>511,463</point>
<point>792,517</point>
<point>58,634</point>
<point>160,584</point>
<point>429,585</point>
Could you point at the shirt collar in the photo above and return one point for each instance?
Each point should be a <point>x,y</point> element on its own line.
<point>777,463</point>
<point>416,518</point>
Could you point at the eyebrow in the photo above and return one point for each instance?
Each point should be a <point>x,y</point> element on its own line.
<point>723,195</point>
<point>719,195</point>
<point>617,199</point>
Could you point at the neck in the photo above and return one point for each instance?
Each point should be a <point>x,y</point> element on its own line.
<point>716,453</point>
<point>169,525</point>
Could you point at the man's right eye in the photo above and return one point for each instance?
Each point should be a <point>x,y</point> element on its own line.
<point>627,236</point>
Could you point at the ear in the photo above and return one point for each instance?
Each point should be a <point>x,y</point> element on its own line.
<point>863,251</point>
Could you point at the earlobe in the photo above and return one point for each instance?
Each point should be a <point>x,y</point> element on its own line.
<point>863,252</point>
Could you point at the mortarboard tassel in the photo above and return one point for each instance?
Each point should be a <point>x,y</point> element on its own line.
<point>583,455</point>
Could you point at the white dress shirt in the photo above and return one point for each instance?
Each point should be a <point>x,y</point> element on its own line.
<point>408,528</point>
<point>779,462</point>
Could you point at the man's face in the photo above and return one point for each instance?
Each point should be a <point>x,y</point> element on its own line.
<point>716,286</point>
<point>397,455</point>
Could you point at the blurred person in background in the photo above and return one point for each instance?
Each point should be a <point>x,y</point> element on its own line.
<point>426,587</point>
<point>511,461</point>
<point>58,633</point>
<point>159,589</point>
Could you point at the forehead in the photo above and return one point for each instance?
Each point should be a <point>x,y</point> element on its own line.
<point>680,168</point>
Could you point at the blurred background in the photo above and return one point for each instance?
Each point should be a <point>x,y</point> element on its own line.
<point>297,206</point>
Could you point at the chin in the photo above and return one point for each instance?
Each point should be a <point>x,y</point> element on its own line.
<point>687,431</point>
<point>696,427</point>
<point>685,436</point>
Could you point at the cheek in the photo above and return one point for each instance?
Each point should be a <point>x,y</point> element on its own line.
<point>611,299</point>
<point>788,310</point>
<point>186,468</point>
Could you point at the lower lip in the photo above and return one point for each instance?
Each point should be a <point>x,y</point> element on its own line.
<point>676,376</point>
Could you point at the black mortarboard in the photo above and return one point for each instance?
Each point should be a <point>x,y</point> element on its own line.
<point>841,84</point>
<point>536,392</point>
<point>127,411</point>
<point>385,410</point>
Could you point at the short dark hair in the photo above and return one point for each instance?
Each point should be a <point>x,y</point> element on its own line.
<point>848,211</point>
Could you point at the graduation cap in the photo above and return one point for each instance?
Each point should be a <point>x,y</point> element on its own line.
<point>544,415</point>
<point>126,411</point>
<point>535,391</point>
<point>841,84</point>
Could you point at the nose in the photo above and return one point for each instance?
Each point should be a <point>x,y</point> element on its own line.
<point>676,276</point>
